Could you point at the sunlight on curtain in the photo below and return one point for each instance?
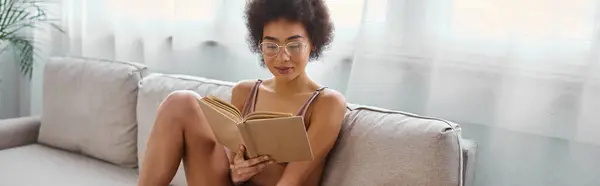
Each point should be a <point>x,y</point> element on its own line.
<point>539,55</point>
<point>528,66</point>
<point>204,38</point>
<point>525,65</point>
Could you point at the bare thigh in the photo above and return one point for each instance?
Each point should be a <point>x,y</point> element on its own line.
<point>180,133</point>
<point>205,160</point>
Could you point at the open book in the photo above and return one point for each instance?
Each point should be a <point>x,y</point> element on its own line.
<point>282,136</point>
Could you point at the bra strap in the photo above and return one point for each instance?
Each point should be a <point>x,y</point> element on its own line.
<point>251,101</point>
<point>302,110</point>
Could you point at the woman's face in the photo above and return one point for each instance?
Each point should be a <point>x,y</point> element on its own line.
<point>286,48</point>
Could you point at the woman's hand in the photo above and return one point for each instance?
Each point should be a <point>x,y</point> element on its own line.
<point>242,170</point>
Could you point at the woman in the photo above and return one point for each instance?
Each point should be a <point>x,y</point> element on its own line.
<point>287,34</point>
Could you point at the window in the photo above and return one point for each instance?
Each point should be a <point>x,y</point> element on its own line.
<point>535,19</point>
<point>528,32</point>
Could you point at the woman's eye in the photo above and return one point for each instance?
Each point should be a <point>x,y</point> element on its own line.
<point>294,46</point>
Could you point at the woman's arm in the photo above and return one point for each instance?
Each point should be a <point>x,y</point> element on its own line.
<point>327,117</point>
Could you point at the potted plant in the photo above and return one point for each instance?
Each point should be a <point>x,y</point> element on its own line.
<point>17,19</point>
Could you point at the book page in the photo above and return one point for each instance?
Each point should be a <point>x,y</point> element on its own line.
<point>266,115</point>
<point>284,139</point>
<point>223,126</point>
<point>228,109</point>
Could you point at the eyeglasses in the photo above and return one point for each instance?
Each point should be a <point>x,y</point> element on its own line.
<point>270,49</point>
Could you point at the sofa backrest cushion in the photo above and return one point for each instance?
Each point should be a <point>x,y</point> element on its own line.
<point>383,147</point>
<point>155,88</point>
<point>89,108</point>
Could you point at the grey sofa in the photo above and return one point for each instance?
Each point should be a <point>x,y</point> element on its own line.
<point>97,115</point>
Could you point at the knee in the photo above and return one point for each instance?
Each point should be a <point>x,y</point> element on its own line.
<point>180,102</point>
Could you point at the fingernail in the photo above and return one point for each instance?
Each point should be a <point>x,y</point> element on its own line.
<point>265,157</point>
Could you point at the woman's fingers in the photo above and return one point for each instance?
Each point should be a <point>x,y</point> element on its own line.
<point>253,170</point>
<point>249,167</point>
<point>243,169</point>
<point>255,161</point>
<point>232,155</point>
<point>239,157</point>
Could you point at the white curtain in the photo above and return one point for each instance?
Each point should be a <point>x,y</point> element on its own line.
<point>524,65</point>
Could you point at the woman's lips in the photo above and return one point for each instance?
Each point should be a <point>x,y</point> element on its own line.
<point>284,70</point>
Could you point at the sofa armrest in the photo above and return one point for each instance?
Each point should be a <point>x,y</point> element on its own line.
<point>16,132</point>
<point>469,149</point>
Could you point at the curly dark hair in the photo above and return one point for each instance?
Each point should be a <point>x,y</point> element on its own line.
<point>313,14</point>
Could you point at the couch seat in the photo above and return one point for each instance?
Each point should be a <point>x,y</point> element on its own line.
<point>37,165</point>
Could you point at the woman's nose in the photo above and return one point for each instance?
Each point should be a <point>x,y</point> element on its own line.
<point>283,55</point>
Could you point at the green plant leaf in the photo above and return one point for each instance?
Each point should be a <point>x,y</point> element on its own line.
<point>16,18</point>
<point>24,50</point>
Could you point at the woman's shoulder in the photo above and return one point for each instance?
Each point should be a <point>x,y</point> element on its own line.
<point>330,101</point>
<point>243,86</point>
<point>329,95</point>
<point>240,92</point>
<point>328,111</point>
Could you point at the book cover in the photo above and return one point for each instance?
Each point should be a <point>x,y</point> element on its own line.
<point>279,135</point>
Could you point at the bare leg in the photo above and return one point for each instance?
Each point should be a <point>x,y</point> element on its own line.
<point>181,132</point>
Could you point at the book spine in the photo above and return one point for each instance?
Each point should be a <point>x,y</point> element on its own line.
<point>247,140</point>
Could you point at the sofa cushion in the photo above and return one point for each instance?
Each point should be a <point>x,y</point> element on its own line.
<point>42,165</point>
<point>89,107</point>
<point>382,147</point>
<point>155,88</point>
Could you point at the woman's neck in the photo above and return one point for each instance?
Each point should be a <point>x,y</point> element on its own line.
<point>294,86</point>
